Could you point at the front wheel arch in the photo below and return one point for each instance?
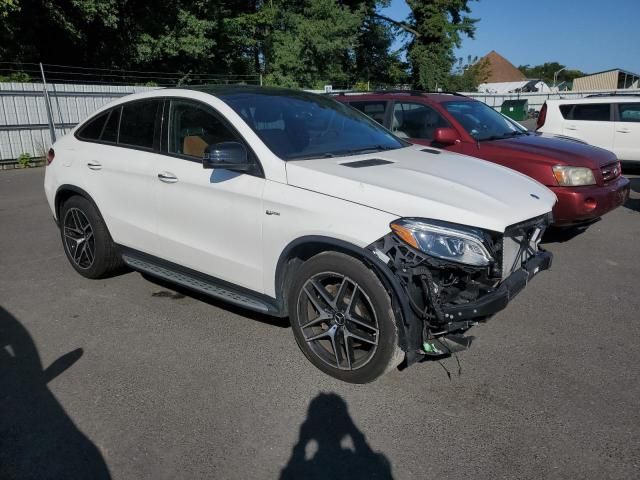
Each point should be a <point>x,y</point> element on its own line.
<point>302,249</point>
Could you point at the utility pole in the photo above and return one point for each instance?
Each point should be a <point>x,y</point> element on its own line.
<point>47,102</point>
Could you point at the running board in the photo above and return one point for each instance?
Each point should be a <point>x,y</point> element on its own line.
<point>198,284</point>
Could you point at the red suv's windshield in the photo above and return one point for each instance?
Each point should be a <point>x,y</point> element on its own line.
<point>481,121</point>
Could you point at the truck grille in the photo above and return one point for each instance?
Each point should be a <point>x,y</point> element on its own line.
<point>611,171</point>
<point>520,242</point>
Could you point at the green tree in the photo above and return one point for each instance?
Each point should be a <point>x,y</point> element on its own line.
<point>436,28</point>
<point>547,70</point>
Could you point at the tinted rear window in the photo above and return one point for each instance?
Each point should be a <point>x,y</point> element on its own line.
<point>375,110</point>
<point>565,110</point>
<point>137,124</point>
<point>594,112</point>
<point>629,112</point>
<point>93,129</point>
<point>110,132</point>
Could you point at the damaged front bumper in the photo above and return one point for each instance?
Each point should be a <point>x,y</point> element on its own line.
<point>493,302</point>
<point>440,298</point>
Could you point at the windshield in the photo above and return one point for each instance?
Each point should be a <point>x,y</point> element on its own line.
<point>483,122</point>
<point>299,125</point>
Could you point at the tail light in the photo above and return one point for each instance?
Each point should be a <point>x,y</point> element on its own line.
<point>50,156</point>
<point>542,116</point>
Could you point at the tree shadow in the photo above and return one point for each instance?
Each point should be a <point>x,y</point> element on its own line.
<point>37,438</point>
<point>330,446</point>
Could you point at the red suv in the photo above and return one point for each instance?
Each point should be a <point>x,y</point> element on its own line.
<point>585,179</point>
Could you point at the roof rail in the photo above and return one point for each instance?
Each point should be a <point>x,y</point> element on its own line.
<point>613,94</point>
<point>398,91</point>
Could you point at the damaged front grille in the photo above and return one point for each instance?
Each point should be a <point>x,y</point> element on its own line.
<point>520,243</point>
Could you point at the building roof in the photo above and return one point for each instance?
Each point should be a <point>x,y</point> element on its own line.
<point>499,69</point>
<point>612,70</point>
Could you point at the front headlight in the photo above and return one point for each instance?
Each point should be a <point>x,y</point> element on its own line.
<point>573,176</point>
<point>447,241</point>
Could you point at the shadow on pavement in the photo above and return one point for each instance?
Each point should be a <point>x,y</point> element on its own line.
<point>182,292</point>
<point>37,437</point>
<point>331,446</point>
<point>564,234</point>
<point>633,203</point>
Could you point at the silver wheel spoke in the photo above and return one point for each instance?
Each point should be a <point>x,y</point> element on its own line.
<point>345,339</point>
<point>352,317</point>
<point>78,236</point>
<point>338,321</point>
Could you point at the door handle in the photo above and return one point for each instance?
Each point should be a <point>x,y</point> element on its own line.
<point>93,165</point>
<point>624,130</point>
<point>571,127</point>
<point>167,177</point>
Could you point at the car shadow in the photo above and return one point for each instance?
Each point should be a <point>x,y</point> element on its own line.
<point>633,202</point>
<point>564,234</point>
<point>229,307</point>
<point>331,446</point>
<point>37,438</point>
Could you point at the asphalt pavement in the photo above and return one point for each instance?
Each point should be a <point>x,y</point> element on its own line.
<point>126,378</point>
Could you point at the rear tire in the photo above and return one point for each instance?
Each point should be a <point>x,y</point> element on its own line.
<point>86,240</point>
<point>342,319</point>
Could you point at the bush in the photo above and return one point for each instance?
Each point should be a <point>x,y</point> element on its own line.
<point>24,160</point>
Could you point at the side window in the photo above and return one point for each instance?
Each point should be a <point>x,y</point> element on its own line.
<point>414,120</point>
<point>110,132</point>
<point>592,112</point>
<point>93,129</point>
<point>193,127</point>
<point>565,110</point>
<point>629,112</point>
<point>137,123</point>
<point>375,110</point>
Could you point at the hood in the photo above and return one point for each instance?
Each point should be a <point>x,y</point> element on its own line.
<point>555,149</point>
<point>410,182</point>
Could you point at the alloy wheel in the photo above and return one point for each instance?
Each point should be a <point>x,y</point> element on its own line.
<point>338,321</point>
<point>78,238</point>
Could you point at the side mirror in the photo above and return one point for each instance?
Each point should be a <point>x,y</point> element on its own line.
<point>446,136</point>
<point>227,155</point>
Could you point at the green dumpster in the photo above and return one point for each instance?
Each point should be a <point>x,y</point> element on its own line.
<point>515,109</point>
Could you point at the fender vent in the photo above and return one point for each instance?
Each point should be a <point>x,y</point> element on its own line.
<point>431,150</point>
<point>371,162</point>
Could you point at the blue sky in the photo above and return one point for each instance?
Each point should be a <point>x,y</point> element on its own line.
<point>589,35</point>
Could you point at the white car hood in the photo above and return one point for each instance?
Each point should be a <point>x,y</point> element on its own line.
<point>445,186</point>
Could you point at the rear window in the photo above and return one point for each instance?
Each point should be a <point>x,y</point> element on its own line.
<point>588,112</point>
<point>375,110</point>
<point>565,110</point>
<point>110,132</point>
<point>629,112</point>
<point>93,129</point>
<point>137,123</point>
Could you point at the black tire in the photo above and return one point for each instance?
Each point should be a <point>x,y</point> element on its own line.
<point>354,311</point>
<point>86,240</point>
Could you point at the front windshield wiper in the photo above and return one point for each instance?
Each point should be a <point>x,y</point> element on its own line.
<point>312,156</point>
<point>374,148</point>
<point>502,137</point>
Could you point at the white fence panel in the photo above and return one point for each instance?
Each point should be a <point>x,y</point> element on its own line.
<point>24,126</point>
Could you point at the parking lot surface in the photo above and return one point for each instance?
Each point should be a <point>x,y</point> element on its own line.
<point>128,378</point>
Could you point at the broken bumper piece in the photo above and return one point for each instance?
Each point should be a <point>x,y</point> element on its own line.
<point>497,300</point>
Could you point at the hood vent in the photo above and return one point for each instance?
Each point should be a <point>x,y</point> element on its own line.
<point>370,162</point>
<point>431,150</point>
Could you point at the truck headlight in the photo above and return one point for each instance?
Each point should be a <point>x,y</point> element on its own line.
<point>456,243</point>
<point>573,176</point>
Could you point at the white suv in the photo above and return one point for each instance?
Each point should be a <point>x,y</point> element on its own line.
<point>610,122</point>
<point>293,204</point>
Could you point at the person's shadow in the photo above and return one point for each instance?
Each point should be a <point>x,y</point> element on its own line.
<point>37,438</point>
<point>331,446</point>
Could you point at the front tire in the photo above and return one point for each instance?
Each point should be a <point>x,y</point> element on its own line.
<point>86,240</point>
<point>342,318</point>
